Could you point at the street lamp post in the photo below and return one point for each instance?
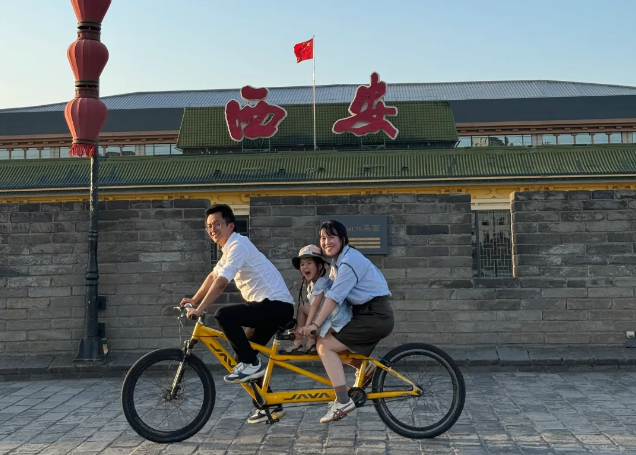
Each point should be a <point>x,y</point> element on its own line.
<point>85,115</point>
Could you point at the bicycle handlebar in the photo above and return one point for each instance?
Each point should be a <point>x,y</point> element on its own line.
<point>192,316</point>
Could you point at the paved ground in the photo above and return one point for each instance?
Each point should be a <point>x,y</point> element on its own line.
<point>506,413</point>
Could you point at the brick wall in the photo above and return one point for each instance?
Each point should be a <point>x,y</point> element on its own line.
<point>151,254</point>
<point>575,267</point>
<point>573,256</point>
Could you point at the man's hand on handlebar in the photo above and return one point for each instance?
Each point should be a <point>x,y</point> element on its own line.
<point>186,301</point>
<point>193,313</point>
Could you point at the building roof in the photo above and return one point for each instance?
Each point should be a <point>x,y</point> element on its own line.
<point>288,169</point>
<point>447,91</point>
<point>205,127</point>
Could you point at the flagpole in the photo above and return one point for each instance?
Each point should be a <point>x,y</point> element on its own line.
<point>313,38</point>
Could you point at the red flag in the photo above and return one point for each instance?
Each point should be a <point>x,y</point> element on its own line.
<point>304,51</point>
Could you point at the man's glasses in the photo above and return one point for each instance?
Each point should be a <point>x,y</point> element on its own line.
<point>214,227</point>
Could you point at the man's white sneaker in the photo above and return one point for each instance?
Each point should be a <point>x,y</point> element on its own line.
<point>243,372</point>
<point>337,411</point>
<point>261,416</point>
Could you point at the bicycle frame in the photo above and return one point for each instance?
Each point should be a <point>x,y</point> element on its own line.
<point>210,337</point>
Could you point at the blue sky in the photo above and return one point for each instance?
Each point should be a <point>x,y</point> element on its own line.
<point>158,45</point>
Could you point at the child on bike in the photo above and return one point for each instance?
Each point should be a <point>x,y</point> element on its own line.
<point>313,266</point>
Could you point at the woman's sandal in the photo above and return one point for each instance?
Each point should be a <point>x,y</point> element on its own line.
<point>312,350</point>
<point>296,350</point>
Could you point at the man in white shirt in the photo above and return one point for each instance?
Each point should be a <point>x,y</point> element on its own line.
<point>268,303</point>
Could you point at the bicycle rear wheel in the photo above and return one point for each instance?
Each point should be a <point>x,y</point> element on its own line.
<point>167,397</point>
<point>442,383</point>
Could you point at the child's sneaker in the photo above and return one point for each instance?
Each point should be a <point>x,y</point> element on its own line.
<point>243,372</point>
<point>338,410</point>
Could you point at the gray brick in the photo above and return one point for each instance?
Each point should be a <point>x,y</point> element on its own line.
<point>607,226</point>
<point>605,205</point>
<point>330,210</point>
<point>546,206</point>
<point>562,227</point>
<point>542,282</point>
<point>51,270</point>
<point>623,259</point>
<point>534,239</point>
<point>271,222</point>
<point>525,217</point>
<point>610,270</point>
<point>565,315</point>
<point>559,293</point>
<point>453,261</point>
<point>49,292</point>
<point>161,257</point>
<point>29,239</point>
<point>543,304</point>
<point>28,281</point>
<point>567,338</point>
<point>596,282</point>
<point>425,208</point>
<point>427,230</point>
<point>588,304</point>
<point>34,217</point>
<point>621,215</point>
<point>13,314</point>
<point>114,215</point>
<point>582,216</point>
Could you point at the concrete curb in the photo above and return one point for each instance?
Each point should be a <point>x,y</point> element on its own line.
<point>478,359</point>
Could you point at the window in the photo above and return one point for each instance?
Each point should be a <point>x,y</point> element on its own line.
<point>565,139</point>
<point>549,139</point>
<point>4,154</point>
<point>128,150</point>
<point>601,138</point>
<point>492,244</point>
<point>64,152</point>
<point>583,139</point>
<point>17,154</point>
<point>464,141</point>
<point>242,227</point>
<point>174,150</point>
<point>113,150</point>
<point>615,138</point>
<point>33,153</point>
<point>45,152</point>
<point>519,140</point>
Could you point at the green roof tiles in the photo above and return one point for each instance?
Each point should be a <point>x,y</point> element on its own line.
<point>315,169</point>
<point>205,127</point>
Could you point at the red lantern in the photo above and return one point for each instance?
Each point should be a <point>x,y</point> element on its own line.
<point>86,114</point>
<point>85,118</point>
<point>90,10</point>
<point>88,59</point>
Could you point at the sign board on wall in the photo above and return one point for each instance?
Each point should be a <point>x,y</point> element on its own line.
<point>368,233</point>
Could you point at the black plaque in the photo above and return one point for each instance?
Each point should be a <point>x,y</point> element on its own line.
<point>366,232</point>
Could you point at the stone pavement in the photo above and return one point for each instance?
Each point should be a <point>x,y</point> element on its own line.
<point>505,413</point>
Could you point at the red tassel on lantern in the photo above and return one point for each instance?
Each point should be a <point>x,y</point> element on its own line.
<point>90,10</point>
<point>88,59</point>
<point>85,117</point>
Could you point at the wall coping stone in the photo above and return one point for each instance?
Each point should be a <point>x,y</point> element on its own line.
<point>469,359</point>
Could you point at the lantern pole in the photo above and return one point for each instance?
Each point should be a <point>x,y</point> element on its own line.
<point>85,115</point>
<point>91,347</point>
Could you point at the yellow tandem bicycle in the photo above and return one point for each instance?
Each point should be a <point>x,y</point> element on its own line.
<point>168,395</point>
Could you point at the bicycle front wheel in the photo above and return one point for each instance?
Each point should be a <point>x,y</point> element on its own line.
<point>443,391</point>
<point>168,397</point>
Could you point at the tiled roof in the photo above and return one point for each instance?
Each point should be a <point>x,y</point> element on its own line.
<point>247,171</point>
<point>447,91</point>
<point>416,122</point>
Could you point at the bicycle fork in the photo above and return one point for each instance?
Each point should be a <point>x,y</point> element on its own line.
<point>176,383</point>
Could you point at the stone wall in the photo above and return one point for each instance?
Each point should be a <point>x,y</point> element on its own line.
<point>151,254</point>
<point>575,268</point>
<point>574,263</point>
